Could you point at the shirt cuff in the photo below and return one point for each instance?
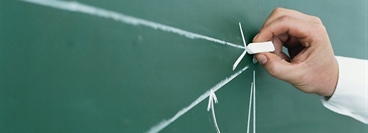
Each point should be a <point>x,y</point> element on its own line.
<point>350,96</point>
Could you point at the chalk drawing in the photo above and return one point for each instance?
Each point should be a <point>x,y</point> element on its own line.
<point>245,48</point>
<point>252,98</point>
<point>250,106</point>
<point>211,106</point>
<point>254,101</point>
<point>158,127</point>
<point>74,6</point>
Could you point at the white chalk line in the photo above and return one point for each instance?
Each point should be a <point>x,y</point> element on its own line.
<point>254,101</point>
<point>252,98</point>
<point>158,127</point>
<point>250,106</point>
<point>245,48</point>
<point>94,11</point>
<point>211,101</point>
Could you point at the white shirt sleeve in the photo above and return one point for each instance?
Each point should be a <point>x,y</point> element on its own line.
<point>350,96</point>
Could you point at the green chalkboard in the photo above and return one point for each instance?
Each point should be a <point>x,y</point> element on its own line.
<point>126,66</point>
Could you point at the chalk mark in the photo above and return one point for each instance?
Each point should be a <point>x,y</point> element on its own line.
<point>252,98</point>
<point>74,6</point>
<point>158,127</point>
<point>254,101</point>
<point>250,106</point>
<point>245,48</point>
<point>211,101</point>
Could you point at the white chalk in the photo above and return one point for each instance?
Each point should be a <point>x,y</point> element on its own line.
<point>254,101</point>
<point>164,123</point>
<point>211,105</point>
<point>244,52</point>
<point>250,106</point>
<point>75,6</point>
<point>260,47</point>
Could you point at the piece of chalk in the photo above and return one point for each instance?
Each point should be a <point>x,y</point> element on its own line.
<point>260,47</point>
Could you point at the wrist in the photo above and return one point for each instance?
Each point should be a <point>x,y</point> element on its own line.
<point>331,84</point>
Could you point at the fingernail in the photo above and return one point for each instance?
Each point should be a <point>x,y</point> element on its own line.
<point>255,36</point>
<point>262,58</point>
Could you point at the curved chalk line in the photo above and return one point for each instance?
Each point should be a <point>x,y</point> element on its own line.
<point>211,101</point>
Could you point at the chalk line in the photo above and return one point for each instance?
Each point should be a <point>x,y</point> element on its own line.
<point>245,48</point>
<point>211,101</point>
<point>254,101</point>
<point>250,106</point>
<point>74,6</point>
<point>158,127</point>
<point>252,98</point>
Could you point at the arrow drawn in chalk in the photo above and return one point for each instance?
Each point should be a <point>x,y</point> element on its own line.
<point>212,98</point>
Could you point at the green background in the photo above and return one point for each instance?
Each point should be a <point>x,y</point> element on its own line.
<point>65,71</point>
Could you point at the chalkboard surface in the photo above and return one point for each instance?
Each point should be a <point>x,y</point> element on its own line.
<point>133,66</point>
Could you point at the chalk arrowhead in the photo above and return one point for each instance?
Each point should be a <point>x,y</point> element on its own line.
<point>212,98</point>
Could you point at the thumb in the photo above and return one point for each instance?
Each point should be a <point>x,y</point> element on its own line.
<point>277,66</point>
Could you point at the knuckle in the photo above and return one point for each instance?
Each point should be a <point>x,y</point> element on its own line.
<point>321,29</point>
<point>277,10</point>
<point>316,19</point>
<point>285,18</point>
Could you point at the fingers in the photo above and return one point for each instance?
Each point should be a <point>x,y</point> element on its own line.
<point>303,31</point>
<point>279,12</point>
<point>281,17</point>
<point>311,66</point>
<point>278,67</point>
<point>278,43</point>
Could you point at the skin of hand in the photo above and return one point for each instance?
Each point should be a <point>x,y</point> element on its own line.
<point>311,65</point>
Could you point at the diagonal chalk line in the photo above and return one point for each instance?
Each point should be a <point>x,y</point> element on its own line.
<point>158,127</point>
<point>74,6</point>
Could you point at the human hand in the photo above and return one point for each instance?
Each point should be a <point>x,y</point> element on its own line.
<point>311,65</point>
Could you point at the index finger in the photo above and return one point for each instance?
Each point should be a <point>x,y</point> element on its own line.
<point>279,12</point>
<point>300,29</point>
